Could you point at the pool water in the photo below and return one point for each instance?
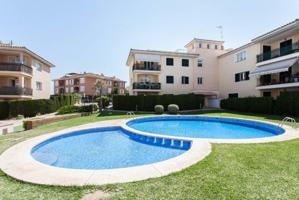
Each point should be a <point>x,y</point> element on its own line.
<point>100,148</point>
<point>205,127</point>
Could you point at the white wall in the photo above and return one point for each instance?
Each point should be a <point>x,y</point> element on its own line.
<point>228,68</point>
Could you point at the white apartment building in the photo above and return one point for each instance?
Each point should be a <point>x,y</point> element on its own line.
<point>266,66</point>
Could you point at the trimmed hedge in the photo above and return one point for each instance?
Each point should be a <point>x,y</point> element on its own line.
<point>30,108</point>
<point>147,103</point>
<point>173,109</point>
<point>73,109</point>
<point>4,109</point>
<point>262,105</point>
<point>287,104</point>
<point>159,109</point>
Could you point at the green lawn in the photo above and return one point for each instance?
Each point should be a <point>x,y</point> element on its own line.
<point>242,171</point>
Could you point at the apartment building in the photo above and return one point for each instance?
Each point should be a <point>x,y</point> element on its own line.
<point>23,73</point>
<point>84,84</point>
<point>266,66</point>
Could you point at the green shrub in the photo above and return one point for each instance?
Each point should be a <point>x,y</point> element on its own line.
<point>173,109</point>
<point>67,109</point>
<point>262,105</point>
<point>4,110</point>
<point>88,108</point>
<point>159,109</point>
<point>105,101</point>
<point>73,109</point>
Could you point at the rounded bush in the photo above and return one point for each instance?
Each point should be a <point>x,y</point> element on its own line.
<point>173,109</point>
<point>159,109</point>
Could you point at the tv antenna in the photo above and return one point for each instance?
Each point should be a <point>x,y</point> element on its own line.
<point>220,27</point>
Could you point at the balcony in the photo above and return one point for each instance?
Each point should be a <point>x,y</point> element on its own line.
<point>15,67</point>
<point>146,86</point>
<point>278,52</point>
<point>16,91</point>
<point>150,67</point>
<point>283,82</point>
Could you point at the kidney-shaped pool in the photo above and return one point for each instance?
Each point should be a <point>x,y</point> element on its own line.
<point>106,148</point>
<point>205,127</point>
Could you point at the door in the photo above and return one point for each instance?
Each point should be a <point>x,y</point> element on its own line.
<point>266,52</point>
<point>285,47</point>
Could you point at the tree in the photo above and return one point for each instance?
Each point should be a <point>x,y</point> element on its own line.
<point>99,90</point>
<point>115,91</point>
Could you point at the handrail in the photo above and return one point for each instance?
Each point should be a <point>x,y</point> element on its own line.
<point>275,53</point>
<point>131,114</point>
<point>148,86</point>
<point>15,67</point>
<point>290,120</point>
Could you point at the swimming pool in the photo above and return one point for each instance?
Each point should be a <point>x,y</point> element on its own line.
<point>205,127</point>
<point>106,148</point>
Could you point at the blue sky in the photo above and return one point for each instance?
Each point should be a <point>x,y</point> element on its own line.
<point>96,35</point>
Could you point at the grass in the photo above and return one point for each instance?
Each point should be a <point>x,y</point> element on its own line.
<point>231,171</point>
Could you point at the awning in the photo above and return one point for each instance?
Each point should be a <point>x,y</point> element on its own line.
<point>276,67</point>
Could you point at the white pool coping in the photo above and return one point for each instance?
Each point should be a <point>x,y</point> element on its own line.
<point>18,163</point>
<point>289,134</point>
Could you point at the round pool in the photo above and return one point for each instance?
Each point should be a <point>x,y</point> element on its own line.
<point>106,148</point>
<point>205,127</point>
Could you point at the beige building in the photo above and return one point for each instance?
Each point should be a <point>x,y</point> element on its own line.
<point>23,73</point>
<point>264,67</point>
<point>84,84</point>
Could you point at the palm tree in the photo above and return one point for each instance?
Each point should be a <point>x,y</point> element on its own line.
<point>98,90</point>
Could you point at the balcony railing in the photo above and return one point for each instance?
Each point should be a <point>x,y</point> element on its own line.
<point>278,52</point>
<point>289,79</point>
<point>15,91</point>
<point>147,86</point>
<point>154,67</point>
<point>15,67</point>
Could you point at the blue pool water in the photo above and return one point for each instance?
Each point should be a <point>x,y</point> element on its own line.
<point>104,148</point>
<point>205,127</point>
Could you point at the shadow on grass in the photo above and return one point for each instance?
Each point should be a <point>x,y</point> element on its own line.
<point>119,113</point>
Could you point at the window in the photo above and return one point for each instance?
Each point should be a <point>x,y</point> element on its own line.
<point>233,95</point>
<point>185,80</point>
<point>169,61</point>
<point>13,59</point>
<point>243,76</point>
<point>169,79</point>
<point>216,47</point>
<point>199,45</point>
<point>208,46</point>
<point>266,94</point>
<point>241,56</point>
<point>13,83</point>
<point>185,62</point>
<point>38,66</point>
<point>222,47</point>
<point>199,80</point>
<point>199,62</point>
<point>38,85</point>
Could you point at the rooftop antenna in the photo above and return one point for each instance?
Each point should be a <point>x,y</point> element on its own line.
<point>220,27</point>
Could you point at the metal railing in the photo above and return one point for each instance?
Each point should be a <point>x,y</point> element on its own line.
<point>154,67</point>
<point>6,90</point>
<point>278,52</point>
<point>288,120</point>
<point>147,86</point>
<point>15,67</point>
<point>290,79</point>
